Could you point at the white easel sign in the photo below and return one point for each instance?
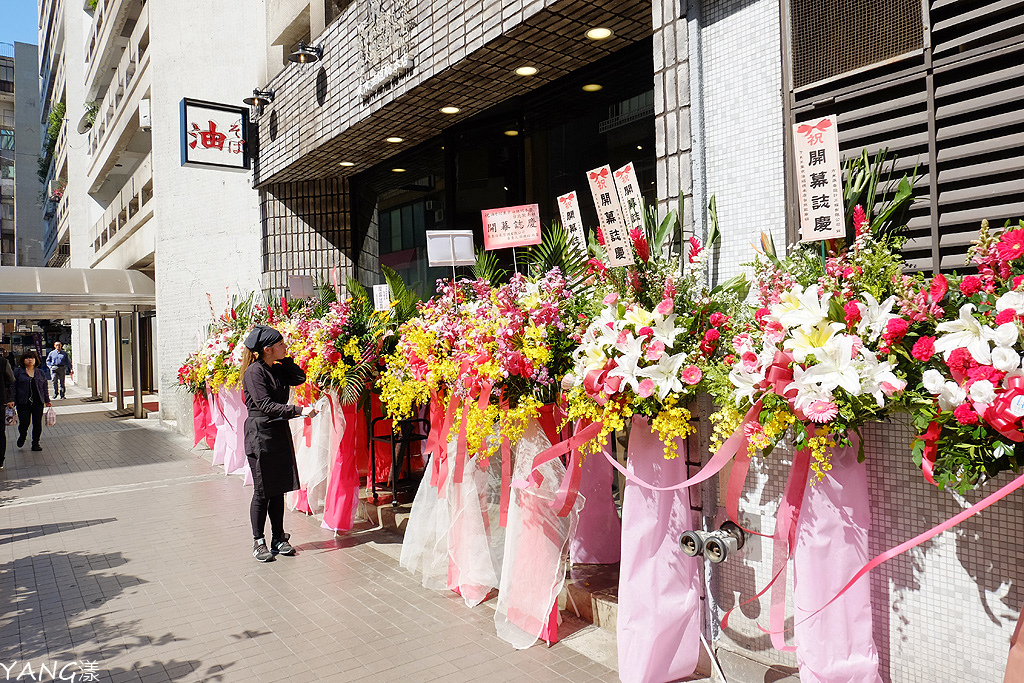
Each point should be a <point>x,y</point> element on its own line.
<point>819,180</point>
<point>450,248</point>
<point>572,221</point>
<point>609,215</point>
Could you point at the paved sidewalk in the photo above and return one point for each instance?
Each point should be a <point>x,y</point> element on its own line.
<point>126,552</point>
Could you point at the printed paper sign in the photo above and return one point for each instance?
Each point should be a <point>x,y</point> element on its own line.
<point>381,298</point>
<point>819,179</point>
<point>512,226</point>
<point>629,193</point>
<point>572,221</point>
<point>609,215</point>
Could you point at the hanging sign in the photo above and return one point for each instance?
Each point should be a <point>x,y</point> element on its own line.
<point>819,179</point>
<point>609,215</point>
<point>629,193</point>
<point>214,135</point>
<point>512,226</point>
<point>572,221</point>
<point>450,248</point>
<point>381,298</point>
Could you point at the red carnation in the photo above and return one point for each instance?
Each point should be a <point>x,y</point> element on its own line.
<point>965,415</point>
<point>1011,245</point>
<point>712,336</point>
<point>760,314</point>
<point>924,349</point>
<point>729,360</point>
<point>970,285</point>
<point>852,311</point>
<point>718,319</point>
<point>961,361</point>
<point>895,330</point>
<point>1006,315</point>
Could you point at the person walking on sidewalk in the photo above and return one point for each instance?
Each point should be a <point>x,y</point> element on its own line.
<point>267,373</point>
<point>7,396</point>
<point>59,363</point>
<point>31,395</point>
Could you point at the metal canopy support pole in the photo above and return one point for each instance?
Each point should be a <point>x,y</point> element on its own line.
<point>118,363</point>
<point>92,359</point>
<point>104,363</point>
<point>137,365</point>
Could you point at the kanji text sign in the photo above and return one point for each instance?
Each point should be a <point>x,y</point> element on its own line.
<point>819,179</point>
<point>609,215</point>
<point>381,298</point>
<point>572,221</point>
<point>511,226</point>
<point>214,135</point>
<point>629,194</point>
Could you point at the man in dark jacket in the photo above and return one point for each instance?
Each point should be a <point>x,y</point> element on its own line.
<point>7,396</point>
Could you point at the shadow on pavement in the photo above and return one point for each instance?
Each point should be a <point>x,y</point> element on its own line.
<point>15,534</point>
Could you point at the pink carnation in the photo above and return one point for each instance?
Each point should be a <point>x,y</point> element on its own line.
<point>655,350</point>
<point>924,349</point>
<point>692,374</point>
<point>718,319</point>
<point>1006,315</point>
<point>965,415</point>
<point>665,307</point>
<point>646,388</point>
<point>895,330</point>
<point>970,285</point>
<point>852,311</point>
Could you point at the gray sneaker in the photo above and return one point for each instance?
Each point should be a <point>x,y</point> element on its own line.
<point>281,546</point>
<point>260,552</point>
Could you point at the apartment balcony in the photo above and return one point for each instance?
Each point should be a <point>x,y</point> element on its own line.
<point>51,49</point>
<point>111,22</point>
<point>130,209</point>
<point>115,122</point>
<point>60,151</point>
<point>57,229</point>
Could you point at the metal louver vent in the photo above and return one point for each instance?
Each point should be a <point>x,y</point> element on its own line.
<point>955,112</point>
<point>833,37</point>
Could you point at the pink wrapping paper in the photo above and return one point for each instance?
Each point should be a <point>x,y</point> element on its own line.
<point>343,482</point>
<point>659,587</point>
<point>234,414</point>
<point>221,428</point>
<point>837,645</point>
<point>598,537</point>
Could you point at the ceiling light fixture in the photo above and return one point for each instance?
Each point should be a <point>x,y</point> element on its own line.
<point>599,33</point>
<point>511,133</point>
<point>394,140</point>
<point>592,87</point>
<point>526,70</point>
<point>306,54</point>
<point>346,163</point>
<point>398,170</point>
<point>450,110</point>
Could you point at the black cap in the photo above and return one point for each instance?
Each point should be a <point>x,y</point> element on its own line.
<point>261,337</point>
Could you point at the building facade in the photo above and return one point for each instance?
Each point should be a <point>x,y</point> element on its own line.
<point>116,72</point>
<point>28,189</point>
<point>8,239</point>
<point>417,115</point>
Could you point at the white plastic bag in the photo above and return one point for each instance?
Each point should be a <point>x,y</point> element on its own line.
<point>51,417</point>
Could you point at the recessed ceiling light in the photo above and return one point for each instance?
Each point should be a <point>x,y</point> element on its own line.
<point>599,33</point>
<point>398,170</point>
<point>592,87</point>
<point>450,110</point>
<point>394,140</point>
<point>511,133</point>
<point>526,70</point>
<point>639,147</point>
<point>346,163</point>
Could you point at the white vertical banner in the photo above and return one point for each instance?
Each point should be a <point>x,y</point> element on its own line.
<point>629,193</point>
<point>609,215</point>
<point>569,208</point>
<point>819,180</point>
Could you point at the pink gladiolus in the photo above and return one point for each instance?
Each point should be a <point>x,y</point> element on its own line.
<point>695,249</point>
<point>859,219</point>
<point>665,307</point>
<point>646,388</point>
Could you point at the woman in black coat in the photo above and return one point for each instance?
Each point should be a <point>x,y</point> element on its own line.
<point>267,374</point>
<point>31,395</point>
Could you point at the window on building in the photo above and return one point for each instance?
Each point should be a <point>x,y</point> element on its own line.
<point>6,139</point>
<point>6,76</point>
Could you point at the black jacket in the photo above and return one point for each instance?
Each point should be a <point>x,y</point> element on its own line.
<point>268,439</point>
<point>23,386</point>
<point>6,381</point>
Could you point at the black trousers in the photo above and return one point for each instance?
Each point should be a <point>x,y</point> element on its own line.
<point>34,411</point>
<point>3,438</point>
<point>260,508</point>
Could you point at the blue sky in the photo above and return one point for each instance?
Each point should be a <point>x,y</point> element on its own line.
<point>18,21</point>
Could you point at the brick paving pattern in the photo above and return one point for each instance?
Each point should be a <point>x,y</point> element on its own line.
<point>120,545</point>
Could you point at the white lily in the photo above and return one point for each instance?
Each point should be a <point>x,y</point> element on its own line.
<point>638,316</point>
<point>874,316</point>
<point>837,368</point>
<point>665,374</point>
<point>627,368</point>
<point>965,332</point>
<point>801,307</point>
<point>665,329</point>
<point>811,340</point>
<point>879,381</point>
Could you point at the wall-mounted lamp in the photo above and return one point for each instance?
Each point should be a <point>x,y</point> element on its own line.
<point>259,99</point>
<point>306,54</point>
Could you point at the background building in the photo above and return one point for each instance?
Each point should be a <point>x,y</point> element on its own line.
<point>8,252</point>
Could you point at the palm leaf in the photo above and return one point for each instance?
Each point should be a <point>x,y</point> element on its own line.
<point>405,299</point>
<point>557,250</point>
<point>486,268</point>
<point>714,232</point>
